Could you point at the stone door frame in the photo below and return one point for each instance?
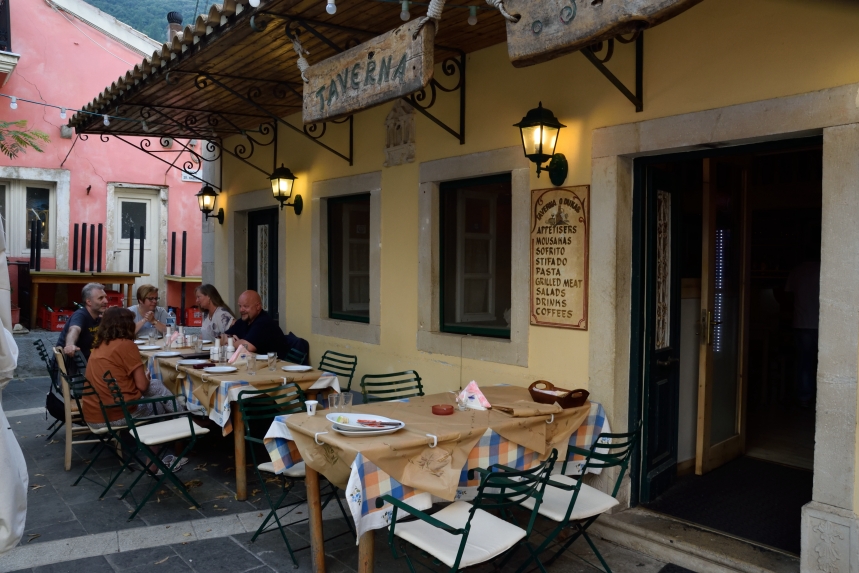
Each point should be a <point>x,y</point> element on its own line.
<point>830,528</point>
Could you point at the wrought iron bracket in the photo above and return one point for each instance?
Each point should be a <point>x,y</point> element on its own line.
<point>450,67</point>
<point>205,79</point>
<point>591,52</point>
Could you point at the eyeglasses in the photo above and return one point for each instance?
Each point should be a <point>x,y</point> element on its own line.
<point>153,299</point>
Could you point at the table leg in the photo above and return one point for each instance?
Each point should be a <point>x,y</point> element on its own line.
<point>239,440</point>
<point>34,303</point>
<point>128,290</point>
<point>366,551</point>
<point>314,507</point>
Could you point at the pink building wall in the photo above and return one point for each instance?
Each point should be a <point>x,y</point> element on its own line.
<point>66,62</point>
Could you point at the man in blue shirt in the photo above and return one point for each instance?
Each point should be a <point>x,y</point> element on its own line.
<point>255,328</point>
<point>79,331</point>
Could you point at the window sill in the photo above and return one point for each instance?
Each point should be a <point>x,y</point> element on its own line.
<point>346,329</point>
<point>483,348</point>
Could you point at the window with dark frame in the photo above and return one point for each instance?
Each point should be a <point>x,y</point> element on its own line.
<point>349,258</point>
<point>475,235</point>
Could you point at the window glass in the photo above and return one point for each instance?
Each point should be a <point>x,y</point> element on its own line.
<point>133,217</point>
<point>475,256</point>
<point>38,204</point>
<point>349,258</point>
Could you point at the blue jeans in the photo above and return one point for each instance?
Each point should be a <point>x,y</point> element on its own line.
<point>806,363</point>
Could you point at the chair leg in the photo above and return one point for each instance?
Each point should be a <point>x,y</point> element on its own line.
<point>596,551</point>
<point>68,460</point>
<point>59,424</point>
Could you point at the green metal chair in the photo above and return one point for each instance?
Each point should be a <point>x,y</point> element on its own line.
<point>296,356</point>
<point>465,534</point>
<point>264,406</point>
<point>573,504</point>
<point>151,438</point>
<point>341,364</point>
<point>387,387</point>
<point>54,400</point>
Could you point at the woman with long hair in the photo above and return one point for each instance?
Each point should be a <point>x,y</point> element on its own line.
<point>217,316</point>
<point>114,350</point>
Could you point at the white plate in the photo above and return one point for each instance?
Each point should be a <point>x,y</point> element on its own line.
<point>353,425</point>
<point>363,434</point>
<point>263,357</point>
<point>296,368</point>
<point>148,347</point>
<point>220,369</point>
<point>207,341</point>
<point>166,354</point>
<point>139,342</point>
<point>192,362</point>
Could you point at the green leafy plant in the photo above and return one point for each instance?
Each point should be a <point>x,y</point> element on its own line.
<point>15,138</point>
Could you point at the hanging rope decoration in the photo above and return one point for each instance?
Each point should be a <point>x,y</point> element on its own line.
<point>433,13</point>
<point>303,64</point>
<point>499,5</point>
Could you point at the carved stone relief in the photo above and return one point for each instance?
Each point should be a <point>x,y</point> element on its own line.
<point>400,135</point>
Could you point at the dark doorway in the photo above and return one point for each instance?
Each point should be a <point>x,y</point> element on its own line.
<point>262,257</point>
<point>745,244</point>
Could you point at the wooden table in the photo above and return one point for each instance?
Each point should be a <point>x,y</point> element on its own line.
<point>304,380</point>
<point>75,277</point>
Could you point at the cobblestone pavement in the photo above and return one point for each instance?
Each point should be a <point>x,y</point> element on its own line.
<point>69,529</point>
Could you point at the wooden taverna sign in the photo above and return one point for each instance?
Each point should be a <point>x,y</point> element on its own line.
<point>559,256</point>
<point>551,28</point>
<point>385,68</point>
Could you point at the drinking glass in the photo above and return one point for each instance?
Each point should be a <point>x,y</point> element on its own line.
<point>252,364</point>
<point>198,343</point>
<point>225,354</point>
<point>153,340</point>
<point>272,361</point>
<point>344,402</point>
<point>334,402</point>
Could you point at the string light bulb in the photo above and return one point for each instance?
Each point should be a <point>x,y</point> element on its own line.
<point>14,103</point>
<point>331,7</point>
<point>63,113</point>
<point>106,121</point>
<point>472,15</point>
<point>254,3</point>
<point>404,15</point>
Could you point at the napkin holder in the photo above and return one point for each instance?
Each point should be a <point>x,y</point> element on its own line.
<point>551,394</point>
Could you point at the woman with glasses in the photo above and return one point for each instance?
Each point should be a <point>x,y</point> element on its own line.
<point>149,318</point>
<point>217,316</point>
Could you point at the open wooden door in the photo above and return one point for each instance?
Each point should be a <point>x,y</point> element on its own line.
<point>724,318</point>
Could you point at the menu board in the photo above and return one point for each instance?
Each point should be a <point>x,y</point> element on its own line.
<point>559,256</point>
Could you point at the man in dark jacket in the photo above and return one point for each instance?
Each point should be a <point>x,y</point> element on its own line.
<point>255,328</point>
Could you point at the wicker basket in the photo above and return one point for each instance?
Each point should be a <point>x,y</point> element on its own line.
<point>566,398</point>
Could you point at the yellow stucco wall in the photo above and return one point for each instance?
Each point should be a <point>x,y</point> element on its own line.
<point>719,53</point>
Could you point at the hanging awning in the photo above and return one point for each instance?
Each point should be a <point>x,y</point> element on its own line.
<point>234,69</point>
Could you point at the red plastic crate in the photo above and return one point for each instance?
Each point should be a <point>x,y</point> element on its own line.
<point>193,316</point>
<point>54,321</point>
<point>114,298</point>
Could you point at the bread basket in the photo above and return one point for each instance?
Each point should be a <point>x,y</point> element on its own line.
<point>545,392</point>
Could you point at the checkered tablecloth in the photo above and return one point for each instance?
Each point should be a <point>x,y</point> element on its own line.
<point>367,482</point>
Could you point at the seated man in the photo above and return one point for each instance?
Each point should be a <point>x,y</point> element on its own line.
<point>255,329</point>
<point>80,329</point>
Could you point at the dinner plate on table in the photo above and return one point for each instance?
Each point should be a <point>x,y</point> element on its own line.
<point>220,369</point>
<point>365,434</point>
<point>351,422</point>
<point>149,347</point>
<point>139,342</point>
<point>207,341</point>
<point>166,354</point>
<point>296,368</point>
<point>192,362</point>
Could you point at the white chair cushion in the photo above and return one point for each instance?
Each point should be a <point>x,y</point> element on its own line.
<point>590,502</point>
<point>169,431</point>
<point>488,538</point>
<point>296,471</point>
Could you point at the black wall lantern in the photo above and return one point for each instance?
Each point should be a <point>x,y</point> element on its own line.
<point>206,199</point>
<point>539,129</point>
<point>282,181</point>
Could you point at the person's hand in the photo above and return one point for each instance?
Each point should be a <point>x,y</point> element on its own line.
<point>149,317</point>
<point>70,350</point>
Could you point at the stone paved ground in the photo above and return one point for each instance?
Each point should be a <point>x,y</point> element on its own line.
<point>70,529</point>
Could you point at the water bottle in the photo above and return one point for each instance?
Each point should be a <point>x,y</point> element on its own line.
<point>171,317</point>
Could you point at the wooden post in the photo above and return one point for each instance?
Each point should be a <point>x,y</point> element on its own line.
<point>142,238</point>
<point>182,285</point>
<point>366,551</point>
<point>75,248</point>
<point>91,247</point>
<point>131,250</point>
<point>100,239</point>
<point>38,243</point>
<point>314,507</point>
<point>173,256</point>
<point>83,248</point>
